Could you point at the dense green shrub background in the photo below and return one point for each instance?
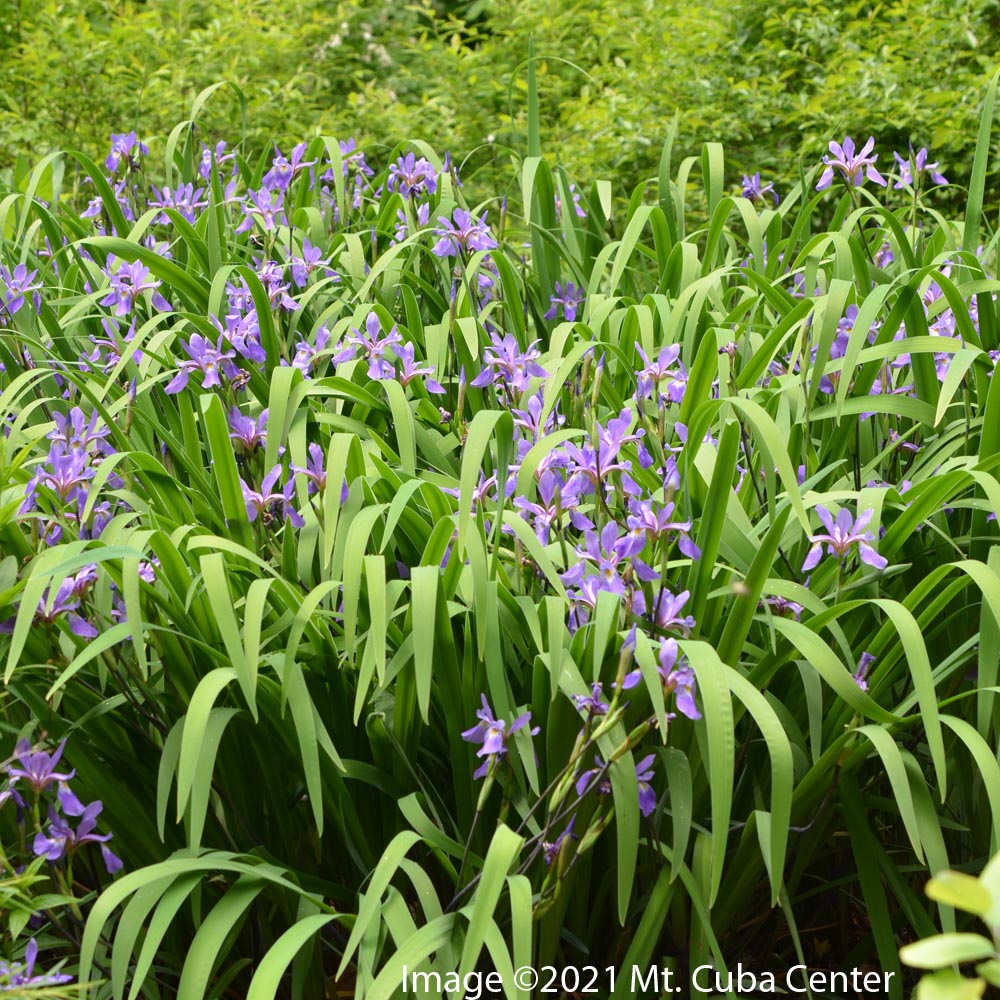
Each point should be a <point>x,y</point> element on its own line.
<point>773,82</point>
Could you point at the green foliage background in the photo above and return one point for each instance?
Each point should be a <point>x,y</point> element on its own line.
<point>772,82</point>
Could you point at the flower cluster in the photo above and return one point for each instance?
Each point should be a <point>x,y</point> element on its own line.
<point>55,827</point>
<point>373,347</point>
<point>856,166</point>
<point>58,493</point>
<point>30,776</point>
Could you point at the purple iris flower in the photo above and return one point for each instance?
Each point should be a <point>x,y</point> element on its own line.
<point>17,974</point>
<point>754,190</point>
<point>62,839</point>
<point>221,156</point>
<point>479,492</point>
<point>315,472</point>
<point>551,508</point>
<point>375,346</point>
<point>487,278</point>
<point>666,368</point>
<point>74,432</point>
<point>186,199</point>
<point>554,460</point>
<point>585,596</point>
<point>841,536</point>
<point>65,602</point>
<point>594,703</point>
<point>304,265</point>
<point>123,146</point>
<point>68,472</point>
<point>160,248</point>
<point>854,167</point>
<point>270,503</point>
<point>884,255</point>
<point>678,680</point>
<point>505,365</point>
<point>584,782</point>
<point>671,475</point>
<point>353,161</point>
<point>911,446</point>
<point>529,419</point>
<point>462,233</point>
<point>127,284</point>
<point>240,297</point>
<point>243,332</point>
<point>587,471</point>
<point>411,370</point>
<point>566,300</point>
<point>412,177</point>
<point>267,206</point>
<point>100,519</point>
<point>96,206</point>
<point>272,274</point>
<point>38,768</point>
<point>283,170</point>
<point>307,355</point>
<point>842,338</point>
<point>643,776</point>
<point>906,175</point>
<point>248,433</point>
<point>783,606</point>
<point>85,579</point>
<point>861,674</point>
<point>616,433</point>
<point>654,522</point>
<point>551,849</point>
<point>589,468</point>
<point>213,362</point>
<point>667,611</point>
<point>493,734</point>
<point>609,554</point>
<point>97,359</point>
<point>403,224</point>
<point>19,283</point>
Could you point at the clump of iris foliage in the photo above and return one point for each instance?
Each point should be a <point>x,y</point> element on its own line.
<point>403,581</point>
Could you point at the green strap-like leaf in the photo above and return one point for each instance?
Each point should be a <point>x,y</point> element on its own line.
<point>895,769</point>
<point>372,901</point>
<point>206,949</point>
<point>199,709</point>
<point>503,850</point>
<point>718,730</point>
<point>780,752</point>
